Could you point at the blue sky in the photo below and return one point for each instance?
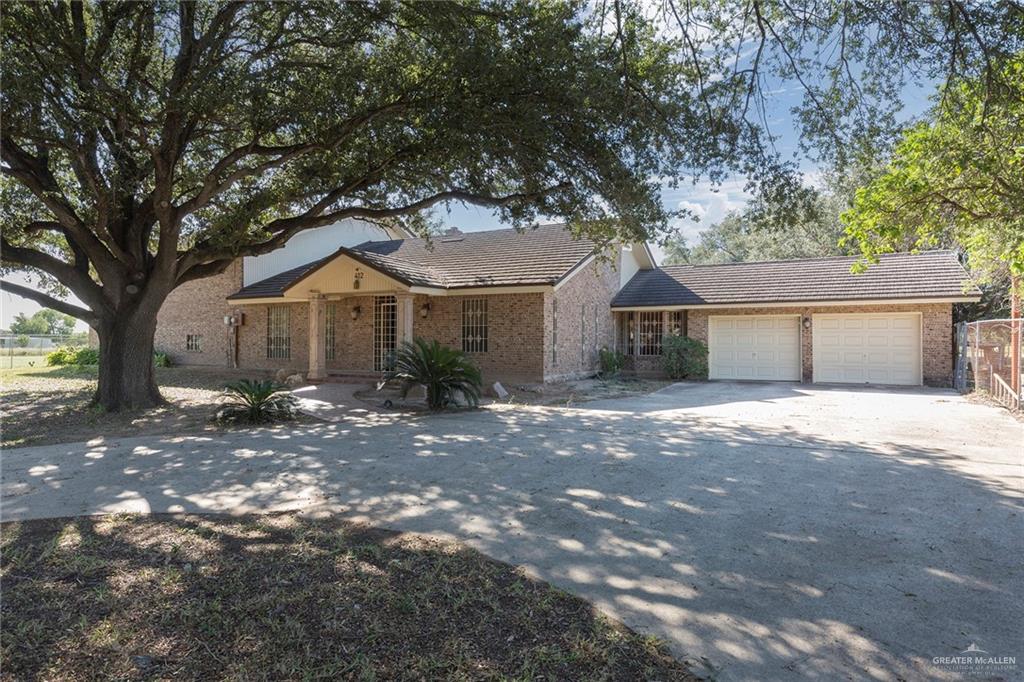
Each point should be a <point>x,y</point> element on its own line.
<point>709,202</point>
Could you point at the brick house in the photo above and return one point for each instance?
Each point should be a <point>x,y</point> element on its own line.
<point>539,305</point>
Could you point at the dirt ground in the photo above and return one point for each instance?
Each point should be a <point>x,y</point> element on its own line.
<point>44,405</point>
<point>282,596</point>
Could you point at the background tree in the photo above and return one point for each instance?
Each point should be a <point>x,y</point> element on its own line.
<point>955,179</point>
<point>762,231</point>
<point>145,144</point>
<point>23,324</point>
<point>44,321</point>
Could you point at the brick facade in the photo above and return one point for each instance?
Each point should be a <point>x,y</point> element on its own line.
<point>936,333</point>
<point>199,307</point>
<point>532,337</point>
<point>578,322</point>
<point>515,333</point>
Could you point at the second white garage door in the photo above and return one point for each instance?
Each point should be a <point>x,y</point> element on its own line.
<point>764,347</point>
<point>867,348</point>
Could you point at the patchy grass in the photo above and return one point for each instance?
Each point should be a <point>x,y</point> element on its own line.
<point>51,405</point>
<point>285,597</point>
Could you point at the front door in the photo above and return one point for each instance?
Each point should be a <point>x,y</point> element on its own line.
<point>385,317</point>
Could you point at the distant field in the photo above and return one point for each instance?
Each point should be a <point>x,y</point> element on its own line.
<point>22,360</point>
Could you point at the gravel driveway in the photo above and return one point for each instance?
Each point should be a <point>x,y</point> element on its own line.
<point>767,531</point>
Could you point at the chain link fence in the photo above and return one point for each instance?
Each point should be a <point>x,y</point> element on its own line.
<point>30,350</point>
<point>989,360</point>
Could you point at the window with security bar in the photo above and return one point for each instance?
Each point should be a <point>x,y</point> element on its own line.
<point>627,330</point>
<point>330,315</point>
<point>650,333</point>
<point>677,322</point>
<point>279,338</point>
<point>385,320</point>
<point>474,325</point>
<point>194,343</point>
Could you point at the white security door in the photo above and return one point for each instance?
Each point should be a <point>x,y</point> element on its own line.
<point>867,348</point>
<point>759,347</point>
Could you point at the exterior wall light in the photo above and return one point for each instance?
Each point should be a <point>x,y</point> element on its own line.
<point>354,313</point>
<point>807,323</point>
<point>424,309</point>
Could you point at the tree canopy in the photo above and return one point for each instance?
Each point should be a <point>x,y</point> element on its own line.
<point>149,144</point>
<point>956,178</point>
<point>763,231</point>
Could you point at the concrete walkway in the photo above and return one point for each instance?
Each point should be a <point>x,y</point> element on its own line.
<point>767,531</point>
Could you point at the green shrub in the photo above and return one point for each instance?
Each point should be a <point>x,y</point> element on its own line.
<point>684,358</point>
<point>444,372</point>
<point>253,401</point>
<point>86,356</point>
<point>60,357</point>
<point>611,362</point>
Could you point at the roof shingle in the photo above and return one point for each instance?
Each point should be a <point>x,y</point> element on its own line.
<point>931,274</point>
<point>508,257</point>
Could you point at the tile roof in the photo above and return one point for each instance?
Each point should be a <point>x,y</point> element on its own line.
<point>507,257</point>
<point>275,285</point>
<point>931,274</point>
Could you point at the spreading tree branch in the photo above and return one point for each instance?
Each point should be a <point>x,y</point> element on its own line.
<point>48,301</point>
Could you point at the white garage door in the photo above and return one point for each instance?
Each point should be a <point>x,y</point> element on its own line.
<point>764,347</point>
<point>883,348</point>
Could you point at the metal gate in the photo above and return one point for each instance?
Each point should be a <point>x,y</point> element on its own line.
<point>989,359</point>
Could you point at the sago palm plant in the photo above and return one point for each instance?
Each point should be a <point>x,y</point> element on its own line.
<point>257,402</point>
<point>444,372</point>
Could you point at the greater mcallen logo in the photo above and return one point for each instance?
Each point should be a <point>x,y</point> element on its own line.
<point>976,661</point>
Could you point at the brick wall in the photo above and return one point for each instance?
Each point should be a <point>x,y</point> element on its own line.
<point>353,339</point>
<point>515,333</point>
<point>252,338</point>
<point>936,339</point>
<point>199,307</point>
<point>578,322</point>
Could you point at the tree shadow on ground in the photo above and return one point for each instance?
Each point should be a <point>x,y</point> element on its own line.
<point>770,551</point>
<point>284,597</point>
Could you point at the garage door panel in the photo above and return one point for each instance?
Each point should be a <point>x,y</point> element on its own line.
<point>763,347</point>
<point>882,348</point>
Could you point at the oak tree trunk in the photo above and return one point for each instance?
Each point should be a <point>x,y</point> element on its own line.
<point>126,376</point>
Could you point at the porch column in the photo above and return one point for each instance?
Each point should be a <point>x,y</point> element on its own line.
<point>404,317</point>
<point>317,349</point>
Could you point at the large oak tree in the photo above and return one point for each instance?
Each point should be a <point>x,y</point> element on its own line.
<point>148,144</point>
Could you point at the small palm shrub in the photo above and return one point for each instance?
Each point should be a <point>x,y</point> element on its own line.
<point>444,372</point>
<point>684,358</point>
<point>161,359</point>
<point>252,401</point>
<point>611,363</point>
